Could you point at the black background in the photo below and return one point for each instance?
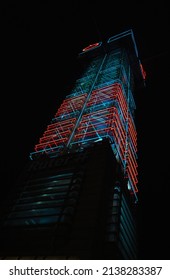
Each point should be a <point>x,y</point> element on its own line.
<point>39,46</point>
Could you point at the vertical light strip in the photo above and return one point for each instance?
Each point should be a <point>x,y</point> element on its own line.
<point>84,106</point>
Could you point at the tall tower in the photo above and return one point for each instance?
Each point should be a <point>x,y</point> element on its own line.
<point>76,196</point>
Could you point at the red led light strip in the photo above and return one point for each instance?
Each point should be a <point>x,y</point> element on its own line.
<point>110,121</point>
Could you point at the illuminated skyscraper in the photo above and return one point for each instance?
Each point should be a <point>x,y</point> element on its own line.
<point>76,196</point>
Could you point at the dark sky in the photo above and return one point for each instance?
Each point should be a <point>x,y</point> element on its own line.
<point>40,43</point>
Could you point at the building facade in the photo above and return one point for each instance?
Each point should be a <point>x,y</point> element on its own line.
<point>77,195</point>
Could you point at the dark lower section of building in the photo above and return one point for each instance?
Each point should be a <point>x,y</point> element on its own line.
<point>75,206</point>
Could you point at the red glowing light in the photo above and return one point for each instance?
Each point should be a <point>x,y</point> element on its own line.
<point>143,71</point>
<point>91,46</point>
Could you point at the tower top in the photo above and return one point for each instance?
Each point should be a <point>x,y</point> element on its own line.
<point>125,40</point>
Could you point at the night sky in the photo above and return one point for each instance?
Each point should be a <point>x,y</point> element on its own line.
<point>40,43</point>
